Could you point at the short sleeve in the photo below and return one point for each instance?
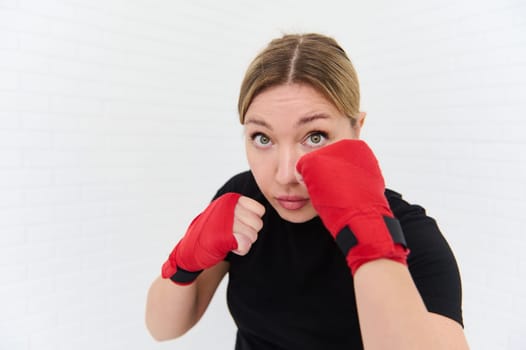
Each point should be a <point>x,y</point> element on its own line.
<point>431,261</point>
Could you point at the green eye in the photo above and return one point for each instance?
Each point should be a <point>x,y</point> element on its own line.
<point>316,138</point>
<point>263,140</point>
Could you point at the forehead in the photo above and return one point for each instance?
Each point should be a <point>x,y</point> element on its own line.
<point>292,101</point>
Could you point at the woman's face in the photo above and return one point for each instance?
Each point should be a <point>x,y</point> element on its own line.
<point>282,124</point>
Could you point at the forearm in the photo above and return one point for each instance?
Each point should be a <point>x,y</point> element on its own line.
<point>171,310</point>
<point>393,315</point>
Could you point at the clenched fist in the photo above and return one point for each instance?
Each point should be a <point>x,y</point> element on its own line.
<point>229,223</point>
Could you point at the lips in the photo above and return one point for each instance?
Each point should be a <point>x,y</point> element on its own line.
<point>292,202</point>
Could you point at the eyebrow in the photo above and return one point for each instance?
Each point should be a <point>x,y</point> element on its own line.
<point>258,122</point>
<point>304,120</point>
<point>310,118</point>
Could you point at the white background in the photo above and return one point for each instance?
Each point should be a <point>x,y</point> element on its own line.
<point>118,123</point>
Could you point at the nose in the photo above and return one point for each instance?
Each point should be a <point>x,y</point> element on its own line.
<point>286,167</point>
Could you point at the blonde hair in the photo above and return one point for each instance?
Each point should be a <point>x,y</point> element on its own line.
<point>312,59</point>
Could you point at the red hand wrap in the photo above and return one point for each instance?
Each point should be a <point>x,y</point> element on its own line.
<point>346,188</point>
<point>207,241</point>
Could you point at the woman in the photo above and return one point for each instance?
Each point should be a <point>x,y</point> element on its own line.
<point>319,254</point>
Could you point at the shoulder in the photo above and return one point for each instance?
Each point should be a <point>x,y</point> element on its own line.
<point>417,225</point>
<point>403,210</point>
<point>413,217</point>
<point>242,183</point>
<point>419,228</point>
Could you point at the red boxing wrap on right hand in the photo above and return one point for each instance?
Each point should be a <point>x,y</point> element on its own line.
<point>346,188</point>
<point>207,241</point>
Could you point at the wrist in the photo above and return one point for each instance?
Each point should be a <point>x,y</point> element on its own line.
<point>372,236</point>
<point>177,274</point>
<point>176,270</point>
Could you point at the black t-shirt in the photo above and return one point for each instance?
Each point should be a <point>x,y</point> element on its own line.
<point>293,290</point>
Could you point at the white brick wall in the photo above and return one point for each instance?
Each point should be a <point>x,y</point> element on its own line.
<point>114,113</point>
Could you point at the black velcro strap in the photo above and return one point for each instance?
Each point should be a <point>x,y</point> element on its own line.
<point>346,240</point>
<point>183,276</point>
<point>395,230</point>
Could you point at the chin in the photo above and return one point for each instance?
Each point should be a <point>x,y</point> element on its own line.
<point>297,216</point>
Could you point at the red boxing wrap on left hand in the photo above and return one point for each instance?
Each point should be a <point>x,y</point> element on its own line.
<point>347,190</point>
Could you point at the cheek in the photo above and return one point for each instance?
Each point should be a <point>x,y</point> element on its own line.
<point>252,158</point>
<point>262,173</point>
<point>259,164</point>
